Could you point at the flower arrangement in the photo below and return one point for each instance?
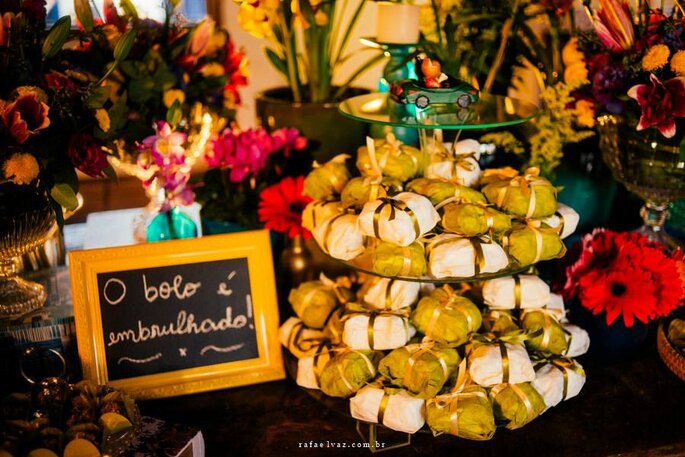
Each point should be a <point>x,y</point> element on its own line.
<point>625,275</point>
<point>51,107</point>
<point>636,68</point>
<point>308,42</point>
<point>281,206</point>
<point>242,164</point>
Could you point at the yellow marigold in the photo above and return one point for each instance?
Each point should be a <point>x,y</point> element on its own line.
<point>585,113</point>
<point>678,63</point>
<point>212,70</point>
<point>171,95</point>
<point>570,54</point>
<point>103,119</point>
<point>21,168</point>
<point>656,57</point>
<point>576,74</point>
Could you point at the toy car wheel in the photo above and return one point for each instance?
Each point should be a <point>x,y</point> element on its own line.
<point>463,100</point>
<point>422,101</point>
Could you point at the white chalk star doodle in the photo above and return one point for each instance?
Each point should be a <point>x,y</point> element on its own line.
<point>223,287</point>
<point>183,352</point>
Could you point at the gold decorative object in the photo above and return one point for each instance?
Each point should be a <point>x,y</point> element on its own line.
<point>650,166</point>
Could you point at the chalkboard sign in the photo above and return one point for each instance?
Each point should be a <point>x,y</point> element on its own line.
<point>179,316</point>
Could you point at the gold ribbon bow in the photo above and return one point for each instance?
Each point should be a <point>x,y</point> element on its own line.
<point>394,205</point>
<point>448,305</point>
<point>416,351</point>
<point>534,226</point>
<point>564,365</point>
<point>296,341</point>
<point>337,286</point>
<point>353,309</point>
<point>519,393</point>
<point>527,183</point>
<point>549,319</point>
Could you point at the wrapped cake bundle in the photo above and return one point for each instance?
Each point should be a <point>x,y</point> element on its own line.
<point>327,181</point>
<point>527,196</point>
<point>439,191</point>
<point>384,293</point>
<point>516,404</point>
<point>556,306</point>
<point>392,158</point>
<point>392,260</point>
<point>551,336</point>
<point>314,301</point>
<point>377,331</point>
<point>492,175</point>
<point>333,329</point>
<point>339,237</point>
<point>471,219</point>
<point>467,414</point>
<point>461,167</point>
<point>446,317</point>
<point>393,408</point>
<point>299,339</point>
<point>564,220</point>
<point>516,292</point>
<point>558,380</point>
<point>499,322</point>
<point>527,244</point>
<point>348,371</point>
<point>422,369</point>
<point>454,256</point>
<point>309,367</point>
<point>317,211</point>
<point>401,219</point>
<point>579,340</point>
<point>360,190</point>
<point>499,362</point>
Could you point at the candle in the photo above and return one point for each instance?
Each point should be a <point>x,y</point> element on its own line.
<point>398,23</point>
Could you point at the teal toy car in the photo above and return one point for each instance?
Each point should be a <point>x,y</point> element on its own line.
<point>408,91</point>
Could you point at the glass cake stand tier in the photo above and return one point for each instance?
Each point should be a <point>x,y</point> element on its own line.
<point>490,111</point>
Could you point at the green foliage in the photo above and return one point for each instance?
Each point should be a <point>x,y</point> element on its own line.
<point>84,14</point>
<point>57,36</point>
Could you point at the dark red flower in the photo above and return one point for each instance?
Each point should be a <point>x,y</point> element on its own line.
<point>34,9</point>
<point>25,116</point>
<point>559,7</point>
<point>661,103</point>
<point>281,206</point>
<point>86,155</point>
<point>55,80</point>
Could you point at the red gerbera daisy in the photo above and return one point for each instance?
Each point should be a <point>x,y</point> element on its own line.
<point>281,206</point>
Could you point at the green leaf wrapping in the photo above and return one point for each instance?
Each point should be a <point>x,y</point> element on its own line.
<point>553,338</point>
<point>521,244</point>
<point>509,407</point>
<point>389,259</point>
<point>402,164</point>
<point>426,377</point>
<point>328,180</point>
<point>517,200</point>
<point>475,418</point>
<point>358,191</point>
<point>469,219</point>
<point>437,191</point>
<point>57,36</point>
<point>349,369</point>
<point>313,302</point>
<point>452,323</point>
<point>499,322</point>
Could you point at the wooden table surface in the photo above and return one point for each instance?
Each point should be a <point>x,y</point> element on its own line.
<point>629,408</point>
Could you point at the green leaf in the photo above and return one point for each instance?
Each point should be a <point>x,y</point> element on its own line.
<point>84,14</point>
<point>64,195</point>
<point>98,96</point>
<point>174,114</point>
<point>278,63</point>
<point>123,46</point>
<point>57,36</point>
<point>111,174</point>
<point>129,8</point>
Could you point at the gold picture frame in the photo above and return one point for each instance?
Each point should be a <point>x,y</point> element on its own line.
<point>87,267</point>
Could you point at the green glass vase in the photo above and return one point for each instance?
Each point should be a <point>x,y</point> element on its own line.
<point>171,225</point>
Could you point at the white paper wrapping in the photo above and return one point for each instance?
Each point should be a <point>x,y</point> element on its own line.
<point>401,229</point>
<point>570,216</point>
<point>287,332</point>
<point>343,241</point>
<point>500,293</point>
<point>556,305</point>
<point>403,412</point>
<point>549,382</point>
<point>485,365</point>
<point>318,211</point>
<point>402,293</point>
<point>447,169</point>
<point>458,258</point>
<point>389,332</point>
<point>580,341</point>
<point>305,370</point>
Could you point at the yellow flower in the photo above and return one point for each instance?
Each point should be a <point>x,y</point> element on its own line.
<point>103,119</point>
<point>40,94</point>
<point>171,95</point>
<point>656,57</point>
<point>576,74</point>
<point>21,168</point>
<point>571,54</point>
<point>678,63</point>
<point>585,113</point>
<point>213,69</point>
<point>321,18</point>
<point>256,20</point>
